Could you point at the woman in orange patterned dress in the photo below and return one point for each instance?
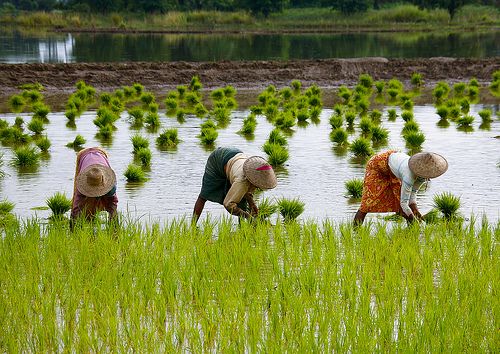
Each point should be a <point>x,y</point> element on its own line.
<point>392,180</point>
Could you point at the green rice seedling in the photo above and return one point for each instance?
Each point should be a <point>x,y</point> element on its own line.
<point>138,142</point>
<point>339,136</point>
<point>181,115</point>
<point>379,86</point>
<point>147,98</point>
<point>171,105</point>
<point>77,143</point>
<point>350,116</point>
<point>139,89</point>
<point>284,121</point>
<point>495,88</point>
<point>414,139</point>
<point>379,134</point>
<point>168,139</point>
<point>32,96</point>
<point>229,91</point>
<point>208,135</point>
<point>366,125</point>
<point>363,105</point>
<point>105,132</point>
<point>71,114</point>
<point>336,121</point>
<point>338,109</point>
<point>286,93</point>
<point>485,115</point>
<point>407,105</point>
<point>473,91</point>
<point>40,111</point>
<point>290,209</point>
<point>6,207</point>
<point>59,204</point>
<point>442,112</point>
<point>105,117</point>
<point>302,115</point>
<point>361,91</point>
<point>474,82</point>
<point>16,103</point>
<point>375,115</point>
<point>296,86</point>
<point>366,81</point>
<point>407,116</point>
<point>354,188</point>
<point>417,80</point>
<point>393,93</point>
<point>410,126</point>
<point>153,108</point>
<point>447,204</point>
<point>128,93</point>
<point>392,114</point>
<point>270,112</point>
<point>314,114</point>
<point>345,93</point>
<point>36,126</point>
<point>43,143</point>
<point>136,115</point>
<point>277,137</point>
<point>144,155</point>
<point>361,148</point>
<point>134,173</point>
<point>19,122</point>
<point>266,208</point>
<point>192,99</point>
<point>14,136</point>
<point>217,94</point>
<point>395,84</point>
<point>277,154</point>
<point>249,125</point>
<point>200,111</point>
<point>459,89</point>
<point>152,120</point>
<point>465,121</point>
<point>105,98</point>
<point>431,217</point>
<point>465,105</point>
<point>454,112</point>
<point>116,106</point>
<point>119,94</point>
<point>26,156</point>
<point>195,84</point>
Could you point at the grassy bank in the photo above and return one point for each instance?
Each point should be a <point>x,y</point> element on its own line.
<point>289,287</point>
<point>398,18</point>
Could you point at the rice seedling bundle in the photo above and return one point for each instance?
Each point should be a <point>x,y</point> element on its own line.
<point>134,173</point>
<point>277,155</point>
<point>407,115</point>
<point>290,209</point>
<point>442,112</point>
<point>366,125</point>
<point>485,115</point>
<point>32,96</point>
<point>16,103</point>
<point>361,147</point>
<point>284,120</point>
<point>393,93</point>
<point>464,105</point>
<point>465,121</point>
<point>417,80</point>
<point>26,156</point>
<point>336,121</point>
<point>459,89</point>
<point>410,126</point>
<point>277,137</point>
<point>345,93</point>
<point>379,134</point>
<point>366,81</point>
<point>105,117</point>
<point>454,112</point>
<point>77,142</point>
<point>43,143</point>
<point>447,203</point>
<point>339,136</point>
<point>375,115</point>
<point>152,120</point>
<point>354,188</point>
<point>208,133</point>
<point>36,126</point>
<point>144,156</point>
<point>379,86</point>
<point>392,114</point>
<point>168,138</point>
<point>266,208</point>
<point>19,122</point>
<point>6,206</point>
<point>58,203</point>
<point>40,111</point>
<point>147,98</point>
<point>350,116</point>
<point>414,138</point>
<point>473,91</point>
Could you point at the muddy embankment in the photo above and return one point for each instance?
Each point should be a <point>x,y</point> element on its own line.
<point>248,77</point>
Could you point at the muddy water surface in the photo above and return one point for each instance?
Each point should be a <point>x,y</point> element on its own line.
<point>315,172</point>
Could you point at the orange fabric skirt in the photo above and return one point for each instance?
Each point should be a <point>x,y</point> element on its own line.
<point>381,189</point>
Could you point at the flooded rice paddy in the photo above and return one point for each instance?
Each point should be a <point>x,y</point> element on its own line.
<point>315,172</point>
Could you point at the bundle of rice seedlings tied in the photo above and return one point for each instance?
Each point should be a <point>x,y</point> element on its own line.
<point>139,142</point>
<point>290,209</point>
<point>168,139</point>
<point>361,148</point>
<point>448,204</point>
<point>134,173</point>
<point>26,156</point>
<point>354,188</point>
<point>208,133</point>
<point>59,204</point>
<point>266,208</point>
<point>77,143</point>
<point>249,125</point>
<point>143,155</point>
<point>277,154</point>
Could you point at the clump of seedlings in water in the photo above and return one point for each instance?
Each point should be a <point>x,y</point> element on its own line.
<point>26,156</point>
<point>6,207</point>
<point>134,173</point>
<point>16,103</point>
<point>417,80</point>
<point>277,137</point>
<point>59,204</point>
<point>249,125</point>
<point>277,154</point>
<point>414,139</point>
<point>407,116</point>
<point>485,115</point>
<point>336,121</point>
<point>77,143</point>
<point>208,133</point>
<point>43,143</point>
<point>440,91</point>
<point>459,89</point>
<point>442,112</point>
<point>465,105</point>
<point>354,188</point>
<point>143,155</point>
<point>495,84</point>
<point>339,136</point>
<point>350,116</point>
<point>410,126</point>
<point>36,126</point>
<point>366,125</point>
<point>168,139</point>
<point>361,147</point>
<point>379,86</point>
<point>447,204</point>
<point>392,114</point>
<point>152,120</point>
<point>136,115</point>
<point>290,209</point>
<point>379,134</point>
<point>139,142</point>
<point>105,120</point>
<point>465,121</point>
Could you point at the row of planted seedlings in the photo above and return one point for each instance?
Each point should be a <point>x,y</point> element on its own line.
<point>299,287</point>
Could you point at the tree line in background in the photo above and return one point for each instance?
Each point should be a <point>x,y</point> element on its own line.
<point>257,7</point>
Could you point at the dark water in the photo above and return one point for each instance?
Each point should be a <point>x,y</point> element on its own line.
<point>54,48</point>
<point>315,172</point>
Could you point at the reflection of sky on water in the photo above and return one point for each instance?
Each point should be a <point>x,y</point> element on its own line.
<point>315,172</point>
<point>52,49</point>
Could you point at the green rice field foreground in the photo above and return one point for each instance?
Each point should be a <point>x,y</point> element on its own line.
<point>289,287</point>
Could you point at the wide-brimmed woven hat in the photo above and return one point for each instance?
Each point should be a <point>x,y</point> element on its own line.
<point>428,164</point>
<point>96,180</point>
<point>259,172</point>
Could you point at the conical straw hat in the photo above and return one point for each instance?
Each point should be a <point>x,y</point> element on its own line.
<point>96,180</point>
<point>259,173</point>
<point>428,164</point>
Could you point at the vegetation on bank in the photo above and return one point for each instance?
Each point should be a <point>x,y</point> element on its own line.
<point>292,286</point>
<point>400,17</point>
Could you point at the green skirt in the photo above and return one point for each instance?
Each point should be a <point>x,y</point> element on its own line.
<point>215,183</point>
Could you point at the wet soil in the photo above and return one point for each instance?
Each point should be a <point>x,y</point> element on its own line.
<point>248,77</point>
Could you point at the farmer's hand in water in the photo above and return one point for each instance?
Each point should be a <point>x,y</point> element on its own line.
<point>415,211</point>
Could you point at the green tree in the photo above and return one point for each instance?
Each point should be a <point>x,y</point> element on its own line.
<point>263,7</point>
<point>350,6</point>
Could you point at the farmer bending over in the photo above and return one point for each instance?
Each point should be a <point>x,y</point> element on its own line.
<point>392,180</point>
<point>230,178</point>
<point>95,185</point>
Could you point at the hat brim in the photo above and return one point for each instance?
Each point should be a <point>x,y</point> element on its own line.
<point>109,181</point>
<point>428,164</point>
